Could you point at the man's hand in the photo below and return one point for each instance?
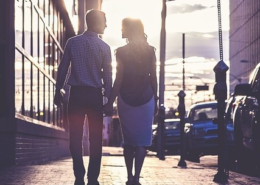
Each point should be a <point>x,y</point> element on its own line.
<point>58,98</point>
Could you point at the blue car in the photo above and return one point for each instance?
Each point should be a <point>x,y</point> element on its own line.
<point>201,133</point>
<point>171,135</point>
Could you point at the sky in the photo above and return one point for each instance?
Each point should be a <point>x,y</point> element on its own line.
<point>197,19</point>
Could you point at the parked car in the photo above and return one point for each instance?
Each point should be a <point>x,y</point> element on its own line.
<point>201,133</point>
<point>230,106</point>
<point>171,135</point>
<point>246,118</point>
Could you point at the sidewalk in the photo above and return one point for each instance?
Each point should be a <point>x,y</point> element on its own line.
<point>113,172</point>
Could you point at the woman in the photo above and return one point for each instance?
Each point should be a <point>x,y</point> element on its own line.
<point>136,88</point>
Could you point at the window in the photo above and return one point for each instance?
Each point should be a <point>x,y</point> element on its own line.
<point>204,113</point>
<point>18,82</point>
<point>37,56</point>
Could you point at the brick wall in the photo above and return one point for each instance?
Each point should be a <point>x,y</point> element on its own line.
<point>36,143</point>
<point>35,149</point>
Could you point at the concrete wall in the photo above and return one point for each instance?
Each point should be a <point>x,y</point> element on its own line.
<point>244,39</point>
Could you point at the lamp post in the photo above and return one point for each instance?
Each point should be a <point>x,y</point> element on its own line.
<point>161,113</point>
<point>183,62</point>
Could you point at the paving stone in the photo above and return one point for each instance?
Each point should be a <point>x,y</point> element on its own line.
<point>113,172</point>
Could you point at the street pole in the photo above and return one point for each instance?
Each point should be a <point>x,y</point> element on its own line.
<point>161,114</point>
<point>220,91</point>
<point>181,109</point>
<point>183,61</point>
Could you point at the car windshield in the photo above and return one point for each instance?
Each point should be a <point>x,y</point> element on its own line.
<point>203,113</point>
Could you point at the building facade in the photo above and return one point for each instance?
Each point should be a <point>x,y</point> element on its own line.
<point>244,39</point>
<point>32,39</point>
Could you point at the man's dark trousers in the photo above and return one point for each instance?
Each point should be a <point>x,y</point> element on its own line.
<point>88,101</point>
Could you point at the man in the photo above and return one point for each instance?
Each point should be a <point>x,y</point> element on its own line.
<point>89,59</point>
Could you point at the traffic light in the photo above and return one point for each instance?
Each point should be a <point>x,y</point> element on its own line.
<point>202,87</point>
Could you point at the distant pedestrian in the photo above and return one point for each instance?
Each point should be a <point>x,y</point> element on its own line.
<point>90,61</point>
<point>135,87</point>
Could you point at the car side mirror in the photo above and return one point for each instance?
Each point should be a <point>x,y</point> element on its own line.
<point>243,89</point>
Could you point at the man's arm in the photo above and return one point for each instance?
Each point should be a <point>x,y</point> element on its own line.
<point>63,67</point>
<point>107,72</point>
<point>62,73</point>
<point>108,108</point>
<point>117,83</point>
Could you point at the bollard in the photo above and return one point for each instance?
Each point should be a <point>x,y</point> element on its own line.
<point>220,91</point>
<point>181,109</point>
<point>160,133</point>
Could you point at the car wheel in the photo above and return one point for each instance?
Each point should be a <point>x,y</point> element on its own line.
<point>242,157</point>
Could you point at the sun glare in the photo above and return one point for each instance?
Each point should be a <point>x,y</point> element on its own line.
<point>146,10</point>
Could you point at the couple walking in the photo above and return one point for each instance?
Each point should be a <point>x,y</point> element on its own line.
<point>135,87</point>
